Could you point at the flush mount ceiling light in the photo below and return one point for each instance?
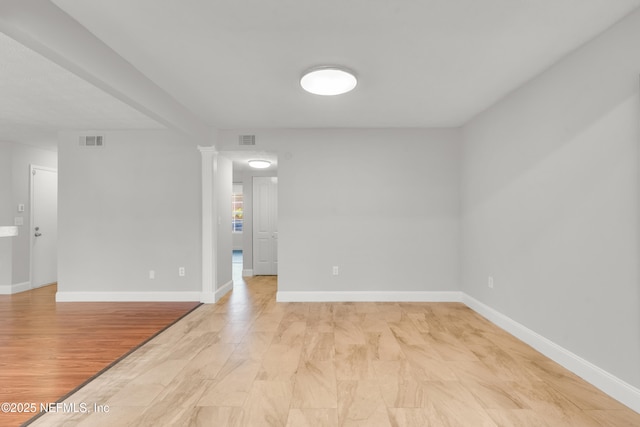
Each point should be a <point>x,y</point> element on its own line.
<point>259,164</point>
<point>328,80</point>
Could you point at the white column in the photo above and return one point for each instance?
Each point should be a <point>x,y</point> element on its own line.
<point>209,224</point>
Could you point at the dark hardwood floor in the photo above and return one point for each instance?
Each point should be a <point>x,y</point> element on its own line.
<point>48,349</point>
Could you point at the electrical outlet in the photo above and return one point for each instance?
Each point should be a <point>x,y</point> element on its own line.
<point>490,282</point>
<point>152,274</point>
<point>181,272</point>
<point>336,270</point>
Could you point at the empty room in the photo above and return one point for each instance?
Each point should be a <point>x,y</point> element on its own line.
<point>320,213</point>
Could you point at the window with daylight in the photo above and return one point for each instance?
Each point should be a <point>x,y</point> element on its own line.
<point>237,209</point>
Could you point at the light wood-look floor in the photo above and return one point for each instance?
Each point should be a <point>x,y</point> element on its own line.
<point>49,349</point>
<point>249,361</point>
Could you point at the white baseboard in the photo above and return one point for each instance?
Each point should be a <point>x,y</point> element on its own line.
<point>15,288</point>
<point>208,297</point>
<point>127,296</point>
<point>248,272</point>
<point>213,297</point>
<point>222,290</point>
<point>21,287</point>
<point>610,384</point>
<point>369,296</point>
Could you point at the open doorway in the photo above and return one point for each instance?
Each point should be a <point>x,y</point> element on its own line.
<point>237,227</point>
<point>243,206</point>
<point>44,224</point>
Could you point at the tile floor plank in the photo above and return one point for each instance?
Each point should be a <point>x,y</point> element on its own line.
<point>250,361</point>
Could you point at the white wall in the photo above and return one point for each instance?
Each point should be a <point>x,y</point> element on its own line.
<point>6,219</point>
<point>550,203</point>
<point>382,205</point>
<point>128,208</point>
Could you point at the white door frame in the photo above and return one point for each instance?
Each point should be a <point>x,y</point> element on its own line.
<point>33,168</point>
<point>209,165</point>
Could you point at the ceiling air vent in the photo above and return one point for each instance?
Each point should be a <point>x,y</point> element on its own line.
<point>247,139</point>
<point>92,141</point>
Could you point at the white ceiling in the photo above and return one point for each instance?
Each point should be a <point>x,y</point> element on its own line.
<point>236,64</point>
<point>427,63</point>
<point>38,98</point>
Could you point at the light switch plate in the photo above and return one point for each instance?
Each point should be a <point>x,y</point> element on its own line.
<point>18,220</point>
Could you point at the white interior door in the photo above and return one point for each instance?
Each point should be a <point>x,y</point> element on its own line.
<point>265,225</point>
<point>44,226</point>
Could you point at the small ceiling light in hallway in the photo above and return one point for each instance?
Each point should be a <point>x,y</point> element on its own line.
<point>259,164</point>
<point>328,80</point>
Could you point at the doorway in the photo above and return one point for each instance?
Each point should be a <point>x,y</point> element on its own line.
<point>237,231</point>
<point>243,200</point>
<point>44,226</point>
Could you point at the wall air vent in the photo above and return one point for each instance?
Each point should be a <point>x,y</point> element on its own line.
<point>92,141</point>
<point>247,139</point>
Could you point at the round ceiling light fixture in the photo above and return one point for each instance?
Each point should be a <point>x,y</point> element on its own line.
<point>259,164</point>
<point>328,80</point>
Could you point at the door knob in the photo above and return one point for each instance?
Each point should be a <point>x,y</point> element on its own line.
<point>38,234</point>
